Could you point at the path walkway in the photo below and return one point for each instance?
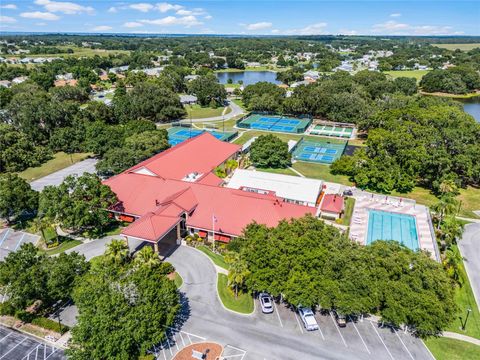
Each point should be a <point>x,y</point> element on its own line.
<point>236,110</point>
<point>469,247</point>
<point>466,338</point>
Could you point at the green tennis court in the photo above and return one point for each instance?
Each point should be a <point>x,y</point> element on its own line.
<point>274,123</point>
<point>319,151</point>
<point>331,130</point>
<point>177,134</point>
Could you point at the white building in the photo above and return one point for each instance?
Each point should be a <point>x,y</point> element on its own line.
<point>293,189</point>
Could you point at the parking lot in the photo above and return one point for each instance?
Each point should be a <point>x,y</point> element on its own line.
<point>11,241</point>
<point>17,346</point>
<point>177,340</point>
<point>363,338</point>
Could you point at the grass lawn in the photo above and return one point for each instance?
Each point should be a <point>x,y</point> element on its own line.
<point>452,96</point>
<point>463,47</point>
<point>239,102</point>
<point>465,300</point>
<point>178,280</point>
<point>216,258</point>
<point>285,171</point>
<point>349,205</point>
<point>417,74</point>
<point>115,229</point>
<point>60,161</point>
<point>242,304</point>
<point>64,245</point>
<point>199,112</point>
<point>451,349</point>
<point>77,51</point>
<point>320,171</point>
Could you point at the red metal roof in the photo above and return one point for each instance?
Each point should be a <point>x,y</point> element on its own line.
<point>160,201</point>
<point>332,203</point>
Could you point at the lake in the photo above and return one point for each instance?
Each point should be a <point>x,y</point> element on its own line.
<point>472,106</point>
<point>248,77</point>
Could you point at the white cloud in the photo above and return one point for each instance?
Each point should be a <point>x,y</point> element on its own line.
<point>41,24</point>
<point>313,29</point>
<point>7,19</point>
<point>208,17</point>
<point>258,26</point>
<point>40,15</point>
<point>395,15</point>
<point>187,21</point>
<point>195,11</point>
<point>395,28</point>
<point>143,7</point>
<point>164,7</point>
<point>347,32</point>
<point>69,8</point>
<point>8,6</point>
<point>275,31</point>
<point>112,9</point>
<point>102,28</point>
<point>132,24</point>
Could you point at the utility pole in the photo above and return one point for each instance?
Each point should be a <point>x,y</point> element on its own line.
<point>466,318</point>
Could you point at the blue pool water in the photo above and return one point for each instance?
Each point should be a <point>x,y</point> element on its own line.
<point>383,225</point>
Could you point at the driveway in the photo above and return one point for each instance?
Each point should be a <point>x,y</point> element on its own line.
<point>85,166</point>
<point>236,110</point>
<point>93,248</point>
<point>469,247</point>
<point>278,335</point>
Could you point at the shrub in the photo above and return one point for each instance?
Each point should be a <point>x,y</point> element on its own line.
<point>50,325</point>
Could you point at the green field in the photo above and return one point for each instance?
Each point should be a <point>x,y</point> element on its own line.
<point>417,74</point>
<point>60,161</point>
<point>242,304</point>
<point>199,112</point>
<point>77,52</point>
<point>451,349</point>
<point>349,205</point>
<point>216,258</point>
<point>286,171</point>
<point>64,246</point>
<point>463,47</point>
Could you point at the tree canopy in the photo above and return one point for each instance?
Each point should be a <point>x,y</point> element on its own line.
<point>309,262</point>
<point>16,197</point>
<point>270,151</point>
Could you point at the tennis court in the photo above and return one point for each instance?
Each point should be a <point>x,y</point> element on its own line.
<point>274,123</point>
<point>176,135</point>
<point>332,130</point>
<point>384,225</point>
<point>318,151</point>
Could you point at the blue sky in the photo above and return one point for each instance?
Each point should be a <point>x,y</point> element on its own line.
<point>280,17</point>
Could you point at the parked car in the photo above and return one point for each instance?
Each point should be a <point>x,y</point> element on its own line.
<point>266,303</point>
<point>340,319</point>
<point>347,192</point>
<point>308,319</point>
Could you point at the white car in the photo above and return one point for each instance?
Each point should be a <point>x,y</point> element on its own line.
<point>308,318</point>
<point>266,303</point>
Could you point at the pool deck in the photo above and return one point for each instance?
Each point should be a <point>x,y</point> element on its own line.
<point>366,201</point>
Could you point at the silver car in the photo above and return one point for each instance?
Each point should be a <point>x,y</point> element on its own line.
<point>266,303</point>
<point>308,318</point>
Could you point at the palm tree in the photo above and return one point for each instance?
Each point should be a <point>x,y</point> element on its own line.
<point>453,260</point>
<point>147,257</point>
<point>451,229</point>
<point>40,224</point>
<point>237,272</point>
<point>117,251</point>
<point>447,205</point>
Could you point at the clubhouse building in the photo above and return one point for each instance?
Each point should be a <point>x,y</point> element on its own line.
<point>176,192</point>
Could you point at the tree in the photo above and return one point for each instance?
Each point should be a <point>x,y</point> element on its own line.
<point>207,89</point>
<point>407,86</point>
<point>263,96</point>
<point>452,264</point>
<point>147,257</point>
<point>270,151</point>
<point>237,271</point>
<point>117,251</point>
<point>16,197</point>
<point>124,311</point>
<point>79,203</point>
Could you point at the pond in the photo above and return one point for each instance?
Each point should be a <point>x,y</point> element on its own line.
<point>248,77</point>
<point>472,106</point>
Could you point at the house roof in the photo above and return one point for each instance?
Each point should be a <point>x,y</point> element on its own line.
<point>332,203</point>
<point>159,196</point>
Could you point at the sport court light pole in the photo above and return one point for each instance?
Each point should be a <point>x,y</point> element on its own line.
<point>466,318</point>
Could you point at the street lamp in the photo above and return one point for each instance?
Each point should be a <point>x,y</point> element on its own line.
<point>466,318</point>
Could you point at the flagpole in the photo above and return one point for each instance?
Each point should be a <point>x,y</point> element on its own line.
<point>213,228</point>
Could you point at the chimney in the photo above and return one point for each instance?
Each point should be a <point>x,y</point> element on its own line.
<point>157,203</point>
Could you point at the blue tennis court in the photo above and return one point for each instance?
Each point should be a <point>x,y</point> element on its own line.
<point>321,151</point>
<point>384,225</point>
<point>274,123</point>
<point>178,134</point>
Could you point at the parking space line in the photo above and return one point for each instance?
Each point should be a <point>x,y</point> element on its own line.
<point>164,355</point>
<point>361,338</point>
<point>181,337</point>
<point>20,241</point>
<point>169,346</point>
<point>9,351</point>
<point>278,315</point>
<point>338,330</point>
<point>6,336</point>
<point>405,346</point>
<point>385,345</point>
<point>4,237</point>
<point>53,352</point>
<point>298,322</point>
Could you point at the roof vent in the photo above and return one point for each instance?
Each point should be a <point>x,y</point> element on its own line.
<point>192,177</point>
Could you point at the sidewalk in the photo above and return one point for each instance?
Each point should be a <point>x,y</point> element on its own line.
<point>466,338</point>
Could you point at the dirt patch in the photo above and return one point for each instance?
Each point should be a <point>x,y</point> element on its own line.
<point>212,351</point>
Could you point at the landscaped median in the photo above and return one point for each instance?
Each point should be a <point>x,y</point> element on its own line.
<point>242,304</point>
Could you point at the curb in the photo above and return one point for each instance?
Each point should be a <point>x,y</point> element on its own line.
<point>230,310</point>
<point>43,340</point>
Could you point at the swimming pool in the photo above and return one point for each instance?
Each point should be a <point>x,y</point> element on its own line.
<point>384,225</point>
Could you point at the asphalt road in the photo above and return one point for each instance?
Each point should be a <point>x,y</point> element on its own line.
<point>18,346</point>
<point>469,247</point>
<point>278,335</point>
<point>87,165</point>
